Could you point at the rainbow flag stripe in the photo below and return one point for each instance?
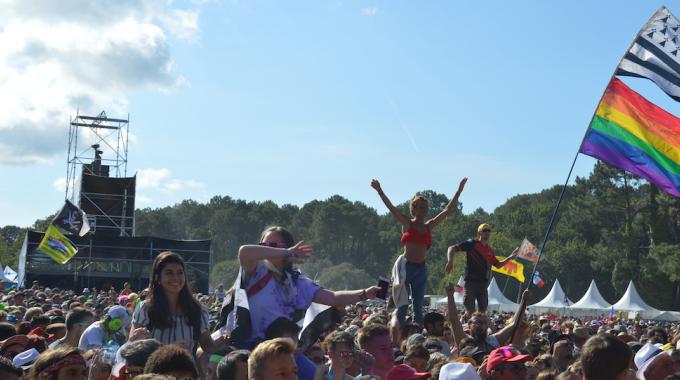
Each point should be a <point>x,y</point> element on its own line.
<point>633,134</point>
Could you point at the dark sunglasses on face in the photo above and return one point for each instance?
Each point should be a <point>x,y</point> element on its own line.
<point>515,367</point>
<point>273,245</point>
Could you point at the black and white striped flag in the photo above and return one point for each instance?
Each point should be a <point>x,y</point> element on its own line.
<point>655,53</point>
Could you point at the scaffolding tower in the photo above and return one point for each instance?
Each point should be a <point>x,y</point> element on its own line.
<point>95,143</point>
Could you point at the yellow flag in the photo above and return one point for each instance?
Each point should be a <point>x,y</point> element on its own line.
<point>55,245</point>
<point>512,268</point>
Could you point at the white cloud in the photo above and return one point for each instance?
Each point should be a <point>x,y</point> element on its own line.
<point>59,184</point>
<point>369,11</point>
<point>143,200</point>
<point>57,57</point>
<point>162,179</point>
<point>152,178</point>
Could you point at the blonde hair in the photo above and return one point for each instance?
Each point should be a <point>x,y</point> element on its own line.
<point>267,350</point>
<point>414,200</point>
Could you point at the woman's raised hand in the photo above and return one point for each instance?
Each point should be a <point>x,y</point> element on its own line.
<point>300,252</point>
<point>462,184</point>
<point>375,184</point>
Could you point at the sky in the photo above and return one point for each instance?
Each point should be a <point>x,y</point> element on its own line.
<point>292,101</point>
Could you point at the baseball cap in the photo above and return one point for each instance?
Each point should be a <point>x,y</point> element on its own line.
<point>119,312</point>
<point>458,371</point>
<point>482,227</point>
<point>505,354</point>
<point>405,372</point>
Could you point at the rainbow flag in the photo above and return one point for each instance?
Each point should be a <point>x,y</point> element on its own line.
<point>633,134</point>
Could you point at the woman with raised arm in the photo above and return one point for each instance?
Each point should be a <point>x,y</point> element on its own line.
<point>410,270</point>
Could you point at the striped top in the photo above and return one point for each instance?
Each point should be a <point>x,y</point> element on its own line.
<point>180,332</point>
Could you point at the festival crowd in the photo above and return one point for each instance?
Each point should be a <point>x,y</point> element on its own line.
<point>255,329</point>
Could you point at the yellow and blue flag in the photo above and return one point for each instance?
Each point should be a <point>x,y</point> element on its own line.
<point>57,246</point>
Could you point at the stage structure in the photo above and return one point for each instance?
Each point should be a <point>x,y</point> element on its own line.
<point>111,253</point>
<point>96,173</point>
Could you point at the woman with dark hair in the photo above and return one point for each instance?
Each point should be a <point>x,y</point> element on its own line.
<point>59,364</point>
<point>171,314</point>
<point>275,289</point>
<point>410,271</point>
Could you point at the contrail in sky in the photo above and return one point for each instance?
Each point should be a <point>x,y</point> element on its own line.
<point>403,126</point>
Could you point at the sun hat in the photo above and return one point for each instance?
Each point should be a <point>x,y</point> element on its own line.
<point>458,371</point>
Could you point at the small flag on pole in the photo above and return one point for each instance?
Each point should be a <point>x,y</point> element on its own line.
<point>72,220</point>
<point>528,251</point>
<point>57,246</point>
<point>512,268</point>
<point>538,281</point>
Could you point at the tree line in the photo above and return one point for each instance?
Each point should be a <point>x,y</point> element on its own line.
<point>611,227</point>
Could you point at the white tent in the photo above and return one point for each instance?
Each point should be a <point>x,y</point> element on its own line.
<point>554,302</point>
<point>591,302</point>
<point>497,301</point>
<point>670,316</point>
<point>458,297</point>
<point>631,301</point>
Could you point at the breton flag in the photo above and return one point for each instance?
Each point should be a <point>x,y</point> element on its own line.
<point>72,220</point>
<point>655,53</point>
<point>57,246</point>
<point>512,268</point>
<point>318,319</point>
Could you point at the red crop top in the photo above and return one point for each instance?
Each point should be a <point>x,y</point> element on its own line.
<point>411,235</point>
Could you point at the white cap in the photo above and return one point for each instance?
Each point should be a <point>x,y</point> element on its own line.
<point>120,312</point>
<point>458,371</point>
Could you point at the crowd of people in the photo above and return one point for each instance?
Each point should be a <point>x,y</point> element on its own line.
<point>254,330</point>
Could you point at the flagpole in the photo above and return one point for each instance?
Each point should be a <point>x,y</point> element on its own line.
<point>571,169</point>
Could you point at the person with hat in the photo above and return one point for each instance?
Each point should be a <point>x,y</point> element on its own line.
<point>405,372</point>
<point>111,328</point>
<point>653,363</point>
<point>506,363</point>
<point>410,270</point>
<point>479,258</point>
<point>458,371</point>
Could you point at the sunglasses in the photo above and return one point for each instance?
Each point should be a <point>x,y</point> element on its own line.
<point>343,354</point>
<point>486,230</point>
<point>273,244</point>
<point>514,367</point>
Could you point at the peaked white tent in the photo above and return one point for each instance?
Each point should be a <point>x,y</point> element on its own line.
<point>631,301</point>
<point>592,302</point>
<point>458,297</point>
<point>555,302</point>
<point>497,301</point>
<point>669,316</point>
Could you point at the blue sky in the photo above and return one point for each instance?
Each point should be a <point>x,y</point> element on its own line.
<point>299,100</point>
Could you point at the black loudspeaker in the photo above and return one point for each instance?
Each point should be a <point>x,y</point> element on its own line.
<point>109,203</point>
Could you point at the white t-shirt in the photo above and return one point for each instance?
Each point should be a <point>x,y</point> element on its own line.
<point>95,337</point>
<point>277,299</point>
<point>180,331</point>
